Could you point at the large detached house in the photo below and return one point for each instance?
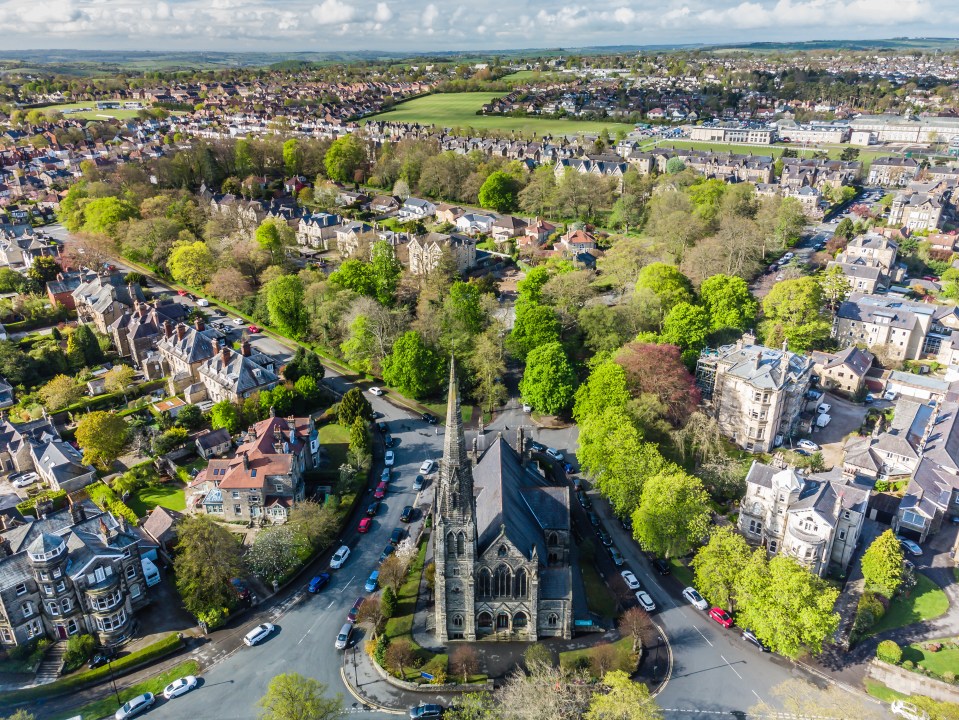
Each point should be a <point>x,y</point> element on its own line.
<point>264,480</point>
<point>103,298</point>
<point>234,376</point>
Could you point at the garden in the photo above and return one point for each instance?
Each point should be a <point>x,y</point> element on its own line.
<point>938,658</point>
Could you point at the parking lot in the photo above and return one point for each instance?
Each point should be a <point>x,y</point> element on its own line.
<point>847,418</point>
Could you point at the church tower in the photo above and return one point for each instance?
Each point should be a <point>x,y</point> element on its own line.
<point>454,512</point>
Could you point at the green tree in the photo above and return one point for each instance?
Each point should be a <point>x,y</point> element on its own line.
<point>191,263</point>
<point>43,269</point>
<point>793,312</point>
<point>305,363</point>
<point>548,379</point>
<point>345,157</point>
<point>413,366</point>
<point>307,392</point>
<point>353,405</point>
<point>488,363</point>
<point>190,417</point>
<point>660,287</point>
<point>463,313</point>
<point>845,229</point>
<point>60,392</point>
<point>291,696</point>
<point>386,271</point>
<point>103,215</point>
<point>788,607</point>
<point>882,564</point>
<point>539,196</point>
<point>83,348</point>
<point>360,441</point>
<point>686,326</point>
<point>499,191</point>
<point>624,699</point>
<point>535,325</point>
<point>835,286</point>
<point>718,564</point>
<point>292,156</point>
<point>673,514</point>
<point>359,348</point>
<point>675,165</point>
<point>605,387</point>
<point>273,235</point>
<point>225,414</point>
<point>102,437</point>
<point>118,378</point>
<point>170,439</point>
<point>356,275</point>
<point>284,301</point>
<point>729,302</point>
<point>208,557</point>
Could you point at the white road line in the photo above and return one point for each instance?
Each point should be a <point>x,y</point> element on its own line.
<point>757,696</point>
<point>331,604</point>
<point>704,637</point>
<point>731,667</point>
<point>348,583</point>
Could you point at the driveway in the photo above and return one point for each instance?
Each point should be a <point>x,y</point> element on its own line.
<point>847,418</point>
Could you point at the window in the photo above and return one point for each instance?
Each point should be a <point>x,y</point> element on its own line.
<point>458,621</point>
<point>278,487</point>
<point>5,635</point>
<point>21,589</point>
<point>450,545</point>
<point>237,510</point>
<point>27,609</point>
<point>57,572</point>
<point>552,620</point>
<point>913,518</point>
<point>72,627</point>
<point>43,575</point>
<point>755,527</point>
<point>61,586</point>
<point>48,589</point>
<point>461,544</point>
<point>53,608</point>
<point>845,514</point>
<point>773,545</point>
<point>131,572</point>
<point>112,622</point>
<point>126,553</point>
<point>34,629</point>
<point>236,494</point>
<point>65,605</point>
<point>502,551</point>
<point>135,590</point>
<point>842,534</point>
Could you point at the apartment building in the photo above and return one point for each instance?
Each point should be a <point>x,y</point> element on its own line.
<point>892,171</point>
<point>897,128</point>
<point>815,519</point>
<point>869,263</point>
<point>732,133</point>
<point>426,251</point>
<point>103,298</point>
<point>922,206</point>
<point>755,393</point>
<point>233,376</point>
<point>844,371</point>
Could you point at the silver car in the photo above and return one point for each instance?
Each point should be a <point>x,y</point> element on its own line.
<point>135,706</point>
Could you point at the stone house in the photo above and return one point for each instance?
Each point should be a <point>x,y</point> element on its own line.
<point>213,443</point>
<point>103,298</point>
<point>844,371</point>
<point>234,376</point>
<point>426,251</point>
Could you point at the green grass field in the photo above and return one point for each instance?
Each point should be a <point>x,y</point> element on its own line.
<point>923,602</point>
<point>459,110</point>
<point>865,156</point>
<point>168,495</point>
<point>947,659</point>
<point>92,113</point>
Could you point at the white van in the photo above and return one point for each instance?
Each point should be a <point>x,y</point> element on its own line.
<point>150,571</point>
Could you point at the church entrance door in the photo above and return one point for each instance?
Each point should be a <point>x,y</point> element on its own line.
<point>502,621</point>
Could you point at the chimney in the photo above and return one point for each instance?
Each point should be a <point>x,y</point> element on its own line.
<point>5,549</point>
<point>60,276</point>
<point>749,338</point>
<point>272,411</point>
<point>245,348</point>
<point>104,532</point>
<point>225,354</point>
<point>198,324</point>
<point>167,329</point>
<point>216,346</point>
<point>474,451</point>
<point>77,511</point>
<point>520,437</point>
<point>180,331</point>
<point>758,359</point>
<point>785,346</point>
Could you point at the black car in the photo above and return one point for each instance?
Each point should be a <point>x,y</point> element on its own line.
<point>604,537</point>
<point>387,551</point>
<point>382,427</point>
<point>407,515</point>
<point>397,535</point>
<point>388,440</point>
<point>750,637</point>
<point>426,711</point>
<point>430,418</point>
<point>101,657</point>
<point>593,519</point>
<point>372,508</point>
<point>377,414</point>
<point>240,588</point>
<point>661,566</point>
<point>584,499</point>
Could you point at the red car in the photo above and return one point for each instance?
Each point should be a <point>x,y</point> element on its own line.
<point>380,491</point>
<point>721,616</point>
<point>181,293</point>
<point>253,329</point>
<point>365,525</point>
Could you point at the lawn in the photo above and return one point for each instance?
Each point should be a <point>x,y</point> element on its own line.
<point>459,110</point>
<point>91,113</point>
<point>439,410</point>
<point>168,495</point>
<point>947,659</point>
<point>335,441</point>
<point>599,598</point>
<point>623,648</point>
<point>881,692</point>
<point>865,156</point>
<point>108,705</point>
<point>185,472</point>
<point>924,602</point>
<point>682,573</point>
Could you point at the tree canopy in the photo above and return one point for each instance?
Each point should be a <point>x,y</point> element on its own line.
<point>548,379</point>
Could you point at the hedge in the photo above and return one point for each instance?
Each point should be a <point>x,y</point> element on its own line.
<point>29,506</point>
<point>41,322</point>
<point>109,399</point>
<point>103,497</point>
<point>170,644</point>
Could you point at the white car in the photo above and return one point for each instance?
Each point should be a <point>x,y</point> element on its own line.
<point>695,598</point>
<point>389,458</point>
<point>788,256</point>
<point>808,445</point>
<point>258,634</point>
<point>376,391</point>
<point>889,395</point>
<point>645,601</point>
<point>555,454</point>
<point>237,321</point>
<point>25,480</point>
<point>824,409</point>
<point>630,579</point>
<point>907,710</point>
<point>135,706</point>
<point>340,557</point>
<point>427,467</point>
<point>203,302</point>
<point>179,687</point>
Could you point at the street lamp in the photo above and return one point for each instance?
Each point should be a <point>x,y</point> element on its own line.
<point>114,682</point>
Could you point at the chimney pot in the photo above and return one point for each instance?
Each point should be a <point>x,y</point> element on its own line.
<point>245,348</point>
<point>180,331</point>
<point>225,354</point>
<point>167,329</point>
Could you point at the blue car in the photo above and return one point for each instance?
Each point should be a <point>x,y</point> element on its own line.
<point>319,582</point>
<point>372,582</point>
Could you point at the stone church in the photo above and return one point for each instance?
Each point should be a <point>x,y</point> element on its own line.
<point>502,542</point>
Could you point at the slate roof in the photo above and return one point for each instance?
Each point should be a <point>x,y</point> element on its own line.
<point>775,368</point>
<point>61,460</point>
<point>239,373</point>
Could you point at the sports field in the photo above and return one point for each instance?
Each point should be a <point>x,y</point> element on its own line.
<point>88,111</point>
<point>459,110</point>
<point>865,156</point>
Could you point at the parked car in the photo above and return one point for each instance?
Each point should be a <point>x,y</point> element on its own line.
<point>407,515</point>
<point>584,499</point>
<point>372,508</point>
<point>389,458</point>
<point>253,329</point>
<point>617,556</point>
<point>630,579</point>
<point>365,525</point>
<point>869,399</point>
<point>808,445</point>
<point>355,609</point>
<point>24,480</point>
<point>427,467</point>
<point>397,535</point>
<point>661,566</point>
<point>340,557</point>
<point>823,420</point>
<point>101,657</point>
<point>343,636</point>
<point>203,302</point>
<point>604,537</point>
<point>593,519</point>
<point>380,491</point>
<point>824,409</point>
<point>241,590</point>
<point>179,687</point>
<point>903,709</point>
<point>318,583</point>
<point>418,483</point>
<point>135,706</point>
<point>382,427</point>
<point>259,634</point>
<point>750,637</point>
<point>645,601</point>
<point>426,710</point>
<point>388,440</point>
<point>694,598</point>
<point>909,546</point>
<point>372,581</point>
<point>385,475</point>
<point>387,551</point>
<point>430,418</point>
<point>376,391</point>
<point>537,447</point>
<point>720,616</point>
<point>555,454</point>
<point>889,395</point>
<point>181,293</point>
<point>237,321</point>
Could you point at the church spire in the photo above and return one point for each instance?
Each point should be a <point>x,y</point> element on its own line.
<point>456,472</point>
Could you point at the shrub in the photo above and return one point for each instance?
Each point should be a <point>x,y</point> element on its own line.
<point>934,647</point>
<point>379,653</point>
<point>103,497</point>
<point>908,664</point>
<point>949,676</point>
<point>57,497</point>
<point>213,617</point>
<point>889,651</point>
<point>868,613</point>
<point>389,602</point>
<point>79,649</point>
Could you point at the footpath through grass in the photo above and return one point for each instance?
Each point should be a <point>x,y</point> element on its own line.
<point>923,602</point>
<point>108,705</point>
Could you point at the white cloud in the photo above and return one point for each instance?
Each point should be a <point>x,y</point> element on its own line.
<point>430,13</point>
<point>382,13</point>
<point>332,12</point>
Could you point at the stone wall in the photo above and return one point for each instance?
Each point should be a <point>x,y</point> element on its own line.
<point>912,683</point>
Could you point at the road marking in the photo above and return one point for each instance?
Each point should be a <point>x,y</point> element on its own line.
<point>331,604</point>
<point>348,583</point>
<point>704,637</point>
<point>730,666</point>
<point>757,696</point>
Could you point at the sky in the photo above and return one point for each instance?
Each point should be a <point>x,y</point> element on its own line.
<point>425,25</point>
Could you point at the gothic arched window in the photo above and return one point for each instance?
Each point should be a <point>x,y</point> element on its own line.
<point>461,544</point>
<point>502,552</point>
<point>484,620</point>
<point>484,583</point>
<point>522,583</point>
<point>553,539</point>
<point>519,620</point>
<point>502,581</point>
<point>552,620</point>
<point>457,621</point>
<point>450,545</point>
